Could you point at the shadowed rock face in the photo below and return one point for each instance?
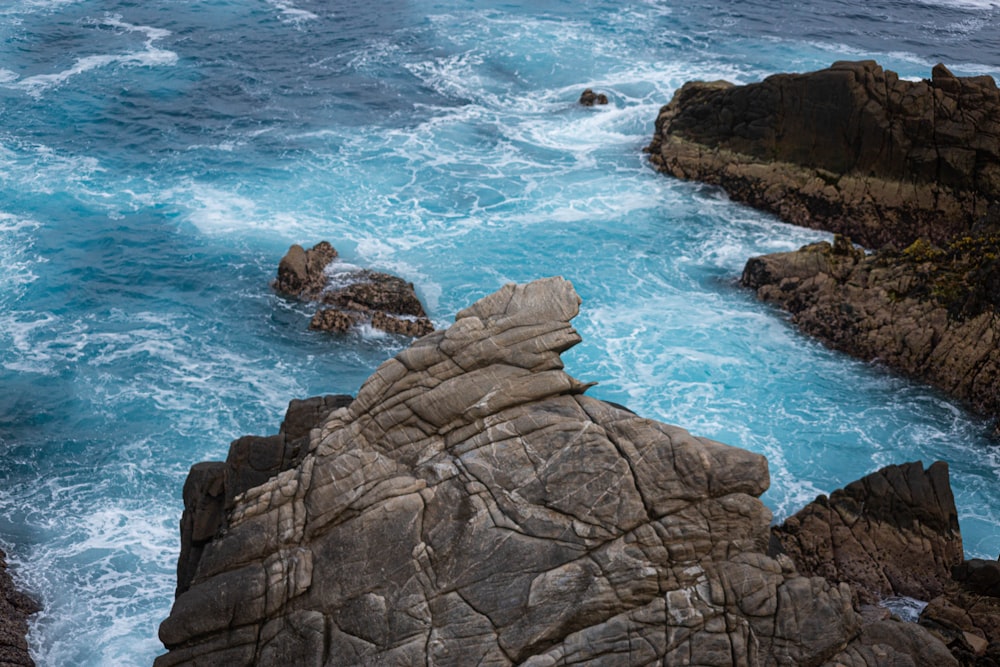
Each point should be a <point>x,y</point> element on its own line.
<point>472,506</point>
<point>893,532</point>
<point>851,149</point>
<point>921,311</point>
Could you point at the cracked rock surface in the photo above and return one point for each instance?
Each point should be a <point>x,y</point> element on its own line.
<point>851,149</point>
<point>472,506</point>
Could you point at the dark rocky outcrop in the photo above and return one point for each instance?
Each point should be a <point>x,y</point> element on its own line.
<point>350,296</point>
<point>925,311</point>
<point>893,532</point>
<point>473,506</point>
<point>589,98</point>
<point>852,149</point>
<point>15,608</point>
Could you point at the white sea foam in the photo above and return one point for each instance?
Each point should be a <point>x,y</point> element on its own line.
<point>291,13</point>
<point>17,261</point>
<point>151,56</point>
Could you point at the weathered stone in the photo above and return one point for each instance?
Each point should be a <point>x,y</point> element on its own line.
<point>350,296</point>
<point>589,98</point>
<point>893,532</point>
<point>915,311</point>
<point>301,272</point>
<point>478,508</point>
<point>852,149</point>
<point>212,487</point>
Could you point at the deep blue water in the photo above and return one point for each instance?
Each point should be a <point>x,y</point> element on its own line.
<point>157,159</point>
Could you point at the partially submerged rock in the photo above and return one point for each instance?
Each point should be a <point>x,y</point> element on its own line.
<point>851,149</point>
<point>589,98</point>
<point>350,296</point>
<point>925,311</point>
<point>473,506</point>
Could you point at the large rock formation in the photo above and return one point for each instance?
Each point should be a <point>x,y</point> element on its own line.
<point>15,608</point>
<point>473,506</point>
<point>350,296</point>
<point>928,312</point>
<point>852,149</point>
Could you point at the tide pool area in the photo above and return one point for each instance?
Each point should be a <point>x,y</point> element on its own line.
<point>157,160</point>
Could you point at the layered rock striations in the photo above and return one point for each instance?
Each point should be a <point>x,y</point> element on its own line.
<point>349,296</point>
<point>473,506</point>
<point>928,312</point>
<point>893,532</point>
<point>851,149</point>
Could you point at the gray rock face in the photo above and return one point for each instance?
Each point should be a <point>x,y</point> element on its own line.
<point>852,149</point>
<point>350,296</point>
<point>472,506</point>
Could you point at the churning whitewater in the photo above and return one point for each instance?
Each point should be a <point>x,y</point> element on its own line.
<point>157,159</point>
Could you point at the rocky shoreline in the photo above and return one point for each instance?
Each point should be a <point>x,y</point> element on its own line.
<point>908,168</point>
<point>15,608</point>
<point>473,506</point>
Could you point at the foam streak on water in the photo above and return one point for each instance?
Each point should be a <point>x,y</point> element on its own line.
<point>156,160</point>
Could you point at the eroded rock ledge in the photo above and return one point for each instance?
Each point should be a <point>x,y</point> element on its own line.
<point>928,312</point>
<point>851,149</point>
<point>472,506</point>
<point>348,295</point>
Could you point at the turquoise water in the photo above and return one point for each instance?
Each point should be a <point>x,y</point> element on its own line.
<point>157,159</point>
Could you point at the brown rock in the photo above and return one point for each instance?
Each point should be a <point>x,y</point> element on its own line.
<point>589,98</point>
<point>925,311</point>
<point>301,272</point>
<point>472,506</point>
<point>15,608</point>
<point>350,297</point>
<point>852,149</point>
<point>893,532</point>
<point>212,487</point>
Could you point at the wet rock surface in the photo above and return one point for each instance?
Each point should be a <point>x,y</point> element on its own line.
<point>349,296</point>
<point>851,149</point>
<point>473,506</point>
<point>589,98</point>
<point>15,608</point>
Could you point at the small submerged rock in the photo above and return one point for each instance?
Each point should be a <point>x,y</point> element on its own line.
<point>350,296</point>
<point>589,98</point>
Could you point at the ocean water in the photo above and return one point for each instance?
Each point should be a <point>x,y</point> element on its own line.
<point>157,159</point>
